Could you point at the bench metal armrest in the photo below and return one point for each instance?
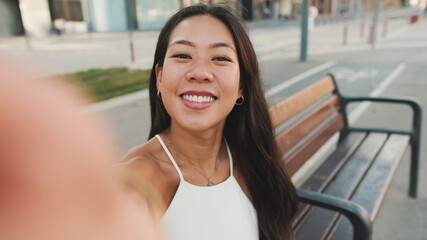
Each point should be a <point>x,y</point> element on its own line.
<point>359,217</point>
<point>415,133</point>
<point>414,104</point>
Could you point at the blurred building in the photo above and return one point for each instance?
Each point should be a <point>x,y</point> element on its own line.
<point>15,14</point>
<point>42,17</point>
<point>10,18</point>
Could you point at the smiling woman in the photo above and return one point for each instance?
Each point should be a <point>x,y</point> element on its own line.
<point>200,62</point>
<point>211,152</point>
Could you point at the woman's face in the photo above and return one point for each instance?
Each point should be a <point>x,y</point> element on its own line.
<point>199,80</point>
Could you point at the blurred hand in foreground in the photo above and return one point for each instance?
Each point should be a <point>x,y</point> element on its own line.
<point>57,177</point>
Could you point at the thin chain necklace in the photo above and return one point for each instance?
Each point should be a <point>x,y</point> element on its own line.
<point>208,178</point>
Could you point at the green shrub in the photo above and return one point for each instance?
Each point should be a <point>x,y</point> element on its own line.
<point>108,83</point>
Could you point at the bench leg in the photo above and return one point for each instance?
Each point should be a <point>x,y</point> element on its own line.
<point>415,147</point>
<point>413,184</point>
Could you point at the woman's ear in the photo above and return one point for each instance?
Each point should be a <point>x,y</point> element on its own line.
<point>159,71</point>
<point>240,93</point>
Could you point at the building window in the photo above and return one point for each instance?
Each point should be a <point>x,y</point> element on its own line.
<point>70,10</point>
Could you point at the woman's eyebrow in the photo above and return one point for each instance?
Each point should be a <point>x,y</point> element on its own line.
<point>183,42</point>
<point>213,45</point>
<point>222,44</point>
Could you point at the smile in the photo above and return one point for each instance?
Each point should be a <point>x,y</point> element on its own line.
<point>198,99</point>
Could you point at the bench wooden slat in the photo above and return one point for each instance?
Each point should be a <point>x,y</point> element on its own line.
<point>300,101</point>
<point>293,135</point>
<point>385,165</point>
<point>329,168</point>
<point>304,152</point>
<point>319,222</point>
<point>372,190</point>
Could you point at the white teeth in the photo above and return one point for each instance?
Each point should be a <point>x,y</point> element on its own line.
<point>198,99</point>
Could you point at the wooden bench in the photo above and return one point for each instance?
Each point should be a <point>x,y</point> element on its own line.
<point>352,181</point>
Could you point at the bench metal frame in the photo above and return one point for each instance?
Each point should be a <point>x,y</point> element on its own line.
<point>415,133</point>
<point>358,216</point>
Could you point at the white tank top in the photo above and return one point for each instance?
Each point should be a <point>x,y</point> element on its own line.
<point>219,212</point>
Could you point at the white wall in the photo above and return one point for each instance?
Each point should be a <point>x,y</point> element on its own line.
<point>108,15</point>
<point>285,7</point>
<point>152,15</point>
<point>35,17</point>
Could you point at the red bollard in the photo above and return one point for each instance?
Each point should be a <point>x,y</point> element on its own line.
<point>132,52</point>
<point>413,18</point>
<point>345,31</point>
<point>385,28</point>
<point>371,35</point>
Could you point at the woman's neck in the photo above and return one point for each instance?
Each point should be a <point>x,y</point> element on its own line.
<point>199,149</point>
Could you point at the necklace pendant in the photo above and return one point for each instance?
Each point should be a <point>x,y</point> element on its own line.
<point>210,184</point>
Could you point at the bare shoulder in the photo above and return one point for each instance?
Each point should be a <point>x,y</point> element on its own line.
<point>141,153</point>
<point>146,158</point>
<point>151,162</point>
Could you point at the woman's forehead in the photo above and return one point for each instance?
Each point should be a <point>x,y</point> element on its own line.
<point>200,30</point>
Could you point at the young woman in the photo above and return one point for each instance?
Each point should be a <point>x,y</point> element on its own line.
<point>211,152</point>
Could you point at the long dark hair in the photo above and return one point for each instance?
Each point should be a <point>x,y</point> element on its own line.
<point>248,128</point>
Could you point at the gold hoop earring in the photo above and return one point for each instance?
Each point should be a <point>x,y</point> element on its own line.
<point>238,103</point>
<point>158,94</point>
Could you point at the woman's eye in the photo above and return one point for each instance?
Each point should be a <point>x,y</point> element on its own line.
<point>183,56</point>
<point>222,59</point>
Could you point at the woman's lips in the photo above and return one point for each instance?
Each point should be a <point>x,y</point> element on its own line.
<point>197,99</point>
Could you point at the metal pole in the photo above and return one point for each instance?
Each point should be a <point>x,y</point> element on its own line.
<point>89,19</point>
<point>27,41</point>
<point>375,27</point>
<point>132,52</point>
<point>304,30</point>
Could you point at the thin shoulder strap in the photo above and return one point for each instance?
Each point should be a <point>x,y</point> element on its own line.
<point>229,157</point>
<point>170,156</point>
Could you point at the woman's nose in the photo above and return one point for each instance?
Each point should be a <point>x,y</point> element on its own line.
<point>200,71</point>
